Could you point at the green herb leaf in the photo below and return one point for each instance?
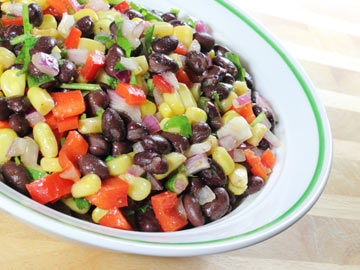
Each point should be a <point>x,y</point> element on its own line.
<point>83,116</point>
<point>115,2</point>
<point>109,158</point>
<point>148,38</point>
<point>17,161</point>
<point>9,15</point>
<point>182,169</point>
<point>35,174</point>
<point>217,101</point>
<point>100,112</point>
<point>122,41</point>
<point>81,86</point>
<point>143,208</point>
<point>37,81</point>
<point>119,66</point>
<point>258,119</point>
<point>82,203</point>
<point>147,14</point>
<point>129,212</point>
<point>133,79</point>
<point>190,22</point>
<point>181,122</point>
<point>235,59</point>
<point>202,102</point>
<point>113,82</point>
<point>62,140</point>
<point>213,170</point>
<point>107,41</point>
<point>175,11</point>
<point>150,86</point>
<point>83,2</point>
<point>19,39</point>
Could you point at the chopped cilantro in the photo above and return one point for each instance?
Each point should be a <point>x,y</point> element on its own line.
<point>217,101</point>
<point>202,102</point>
<point>109,158</point>
<point>62,140</point>
<point>133,79</point>
<point>119,66</point>
<point>83,116</point>
<point>190,22</point>
<point>38,80</point>
<point>82,203</point>
<point>175,11</point>
<point>100,112</point>
<point>213,170</point>
<point>64,53</point>
<point>182,168</point>
<point>35,174</point>
<point>235,59</point>
<point>148,38</point>
<point>17,160</point>
<point>9,15</point>
<point>147,14</point>
<point>150,86</point>
<point>113,82</point>
<point>122,41</point>
<point>143,208</point>
<point>181,122</point>
<point>106,40</point>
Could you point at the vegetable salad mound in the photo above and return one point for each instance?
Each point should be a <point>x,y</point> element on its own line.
<point>127,117</point>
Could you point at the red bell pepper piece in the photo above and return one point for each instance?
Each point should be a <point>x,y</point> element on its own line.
<point>113,193</point>
<point>72,4</point>
<point>184,78</point>
<point>115,219</point>
<point>49,188</point>
<point>122,6</point>
<point>181,49</point>
<point>58,5</point>
<point>52,122</point>
<point>257,167</point>
<point>4,124</point>
<point>52,11</point>
<point>133,94</point>
<point>73,39</point>
<point>94,61</point>
<point>246,111</point>
<point>162,85</point>
<point>165,209</point>
<point>268,159</point>
<point>5,20</point>
<point>68,123</point>
<point>68,104</point>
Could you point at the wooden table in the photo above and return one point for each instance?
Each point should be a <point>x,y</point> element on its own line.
<point>324,35</point>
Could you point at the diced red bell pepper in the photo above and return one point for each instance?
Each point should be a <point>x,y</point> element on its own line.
<point>162,85</point>
<point>246,111</point>
<point>257,167</point>
<point>113,193</point>
<point>94,61</point>
<point>58,5</point>
<point>115,219</point>
<point>52,122</point>
<point>73,5</point>
<point>49,188</point>
<point>268,159</point>
<point>133,94</point>
<point>184,78</point>
<point>73,39</point>
<point>52,11</point>
<point>68,123</point>
<point>68,104</point>
<point>122,6</point>
<point>5,20</point>
<point>4,124</point>
<point>181,49</point>
<point>165,209</point>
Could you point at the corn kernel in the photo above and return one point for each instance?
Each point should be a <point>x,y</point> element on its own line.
<point>86,186</point>
<point>5,6</point>
<point>50,165</point>
<point>236,190</point>
<point>86,12</point>
<point>228,102</point>
<point>139,188</point>
<point>1,72</point>
<point>7,58</point>
<point>90,125</point>
<point>102,26</point>
<point>177,58</point>
<point>165,110</point>
<point>45,138</point>
<point>175,103</point>
<point>91,45</point>
<point>240,88</point>
<point>143,63</point>
<point>239,177</point>
<point>6,138</point>
<point>212,54</point>
<point>175,160</point>
<point>98,214</point>
<point>184,34</point>
<point>214,143</point>
<point>36,32</point>
<point>222,157</point>
<point>228,116</point>
<point>41,100</point>
<point>11,84</point>
<point>163,29</point>
<point>196,90</point>
<point>147,108</point>
<point>137,20</point>
<point>111,15</point>
<point>195,114</point>
<point>120,164</point>
<point>102,76</point>
<point>49,22</point>
<point>131,154</point>
<point>42,3</point>
<point>71,203</point>
<point>186,96</point>
<point>258,131</point>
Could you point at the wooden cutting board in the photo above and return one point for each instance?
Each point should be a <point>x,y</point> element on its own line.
<point>324,36</point>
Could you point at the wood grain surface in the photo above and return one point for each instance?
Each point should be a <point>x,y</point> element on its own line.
<point>324,36</point>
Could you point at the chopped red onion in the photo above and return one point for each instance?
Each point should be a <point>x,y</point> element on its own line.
<point>264,104</point>
<point>272,139</point>
<point>199,148</point>
<point>196,164</point>
<point>181,208</point>
<point>138,148</point>
<point>46,63</point>
<point>171,79</point>
<point>195,46</point>
<point>118,103</point>
<point>34,117</point>
<point>241,101</point>
<point>135,170</point>
<point>155,184</point>
<point>205,195</point>
<point>17,148</point>
<point>158,97</point>
<point>129,31</point>
<point>200,26</point>
<point>237,155</point>
<point>98,5</point>
<point>228,142</point>
<point>123,76</point>
<point>78,56</point>
<point>138,30</point>
<point>152,123</point>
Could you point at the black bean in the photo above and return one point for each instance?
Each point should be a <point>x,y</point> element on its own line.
<point>6,44</point>
<point>112,58</point>
<point>16,176</point>
<point>201,131</point>
<point>19,104</point>
<point>98,146</point>
<point>35,14</point>
<point>160,63</point>
<point>220,50</point>
<point>87,217</point>
<point>151,162</point>
<point>120,148</point>
<point>95,101</point>
<point>218,207</point>
<point>197,61</point>
<point>168,16</point>
<point>2,179</point>
<point>137,51</point>
<point>222,91</point>
<point>113,29</point>
<point>49,86</point>
<point>257,109</point>
<point>176,23</point>
<point>156,143</point>
<point>225,63</point>
<point>8,32</point>
<point>113,126</point>
<point>68,72</point>
<point>133,13</point>
<point>213,76</point>
<point>33,70</point>
<point>270,117</point>
<point>4,110</point>
<point>206,41</point>
<point>90,164</point>
<point>195,184</point>
<point>45,44</point>
<point>193,210</point>
<point>214,176</point>
<point>19,124</point>
<point>165,45</point>
<point>229,79</point>
<point>16,66</point>
<point>263,145</point>
<point>136,131</point>
<point>60,207</point>
<point>147,221</point>
<point>125,117</point>
<point>249,81</point>
<point>180,143</point>
<point>194,77</point>
<point>86,25</point>
<point>255,183</point>
<point>214,117</point>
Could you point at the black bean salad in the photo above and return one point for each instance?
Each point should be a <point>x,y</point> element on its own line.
<point>127,117</point>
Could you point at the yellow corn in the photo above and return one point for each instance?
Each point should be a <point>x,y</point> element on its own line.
<point>50,165</point>
<point>143,63</point>
<point>214,143</point>
<point>184,34</point>
<point>258,131</point>
<point>196,90</point>
<point>42,3</point>
<point>5,6</point>
<point>86,186</point>
<point>91,45</point>
<point>238,179</point>
<point>165,110</point>
<point>171,130</point>
<point>90,125</point>
<point>41,100</point>
<point>81,79</point>
<point>131,154</point>
<point>86,12</point>
<point>111,15</point>
<point>175,160</point>
<point>6,138</point>
<point>46,140</point>
<point>98,214</point>
<point>236,190</point>
<point>142,83</point>
<point>1,72</point>
<point>222,157</point>
<point>240,88</point>
<point>228,116</point>
<point>163,29</point>
<point>212,54</point>
<point>139,188</point>
<point>49,22</point>
<point>186,96</point>
<point>120,164</point>
<point>137,20</point>
<point>102,76</point>
<point>177,58</point>
<point>227,102</point>
<point>7,58</point>
<point>195,114</point>
<point>174,101</point>
<point>71,203</point>
<point>51,32</point>
<point>102,26</point>
<point>12,84</point>
<point>147,108</point>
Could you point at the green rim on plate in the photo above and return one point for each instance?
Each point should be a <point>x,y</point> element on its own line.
<point>314,179</point>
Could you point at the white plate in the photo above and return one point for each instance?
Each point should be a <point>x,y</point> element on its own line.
<point>296,183</point>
